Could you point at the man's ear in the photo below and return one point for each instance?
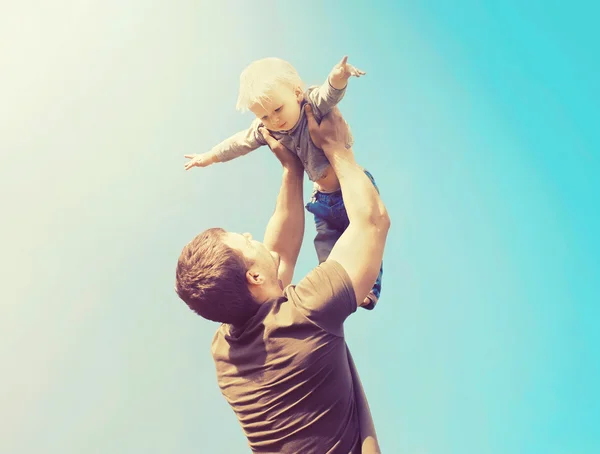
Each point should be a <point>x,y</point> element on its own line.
<point>254,278</point>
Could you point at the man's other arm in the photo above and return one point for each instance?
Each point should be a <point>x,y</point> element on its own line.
<point>285,229</point>
<point>360,248</point>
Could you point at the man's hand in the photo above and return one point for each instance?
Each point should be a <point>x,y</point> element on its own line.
<point>200,160</point>
<point>338,78</point>
<point>332,133</point>
<point>288,159</point>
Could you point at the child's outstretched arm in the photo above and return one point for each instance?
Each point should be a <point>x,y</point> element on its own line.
<point>235,146</point>
<point>329,94</point>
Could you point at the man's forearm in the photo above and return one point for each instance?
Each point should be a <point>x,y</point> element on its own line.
<point>361,199</point>
<point>285,229</point>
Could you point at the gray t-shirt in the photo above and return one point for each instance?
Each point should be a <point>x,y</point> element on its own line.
<point>286,372</point>
<point>322,99</point>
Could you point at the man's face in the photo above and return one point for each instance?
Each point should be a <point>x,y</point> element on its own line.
<point>281,110</point>
<point>261,260</point>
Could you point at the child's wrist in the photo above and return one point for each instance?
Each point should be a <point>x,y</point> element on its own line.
<point>212,157</point>
<point>337,84</point>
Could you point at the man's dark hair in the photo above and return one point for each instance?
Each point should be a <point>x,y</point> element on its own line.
<point>211,279</point>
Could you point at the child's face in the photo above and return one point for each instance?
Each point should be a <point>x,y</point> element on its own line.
<point>281,110</point>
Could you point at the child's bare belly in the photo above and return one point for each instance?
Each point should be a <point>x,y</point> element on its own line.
<point>328,182</point>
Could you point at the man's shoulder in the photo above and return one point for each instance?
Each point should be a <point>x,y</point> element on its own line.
<point>325,296</point>
<point>329,270</point>
<point>280,326</point>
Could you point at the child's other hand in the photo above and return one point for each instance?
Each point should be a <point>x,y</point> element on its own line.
<point>342,72</point>
<point>285,156</point>
<point>199,160</point>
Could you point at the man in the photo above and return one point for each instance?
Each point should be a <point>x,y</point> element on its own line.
<point>280,354</point>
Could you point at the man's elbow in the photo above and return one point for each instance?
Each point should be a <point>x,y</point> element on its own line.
<point>381,221</point>
<point>386,222</point>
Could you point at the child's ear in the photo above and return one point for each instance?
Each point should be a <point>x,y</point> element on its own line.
<point>299,94</point>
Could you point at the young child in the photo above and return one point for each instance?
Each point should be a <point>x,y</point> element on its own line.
<point>272,89</point>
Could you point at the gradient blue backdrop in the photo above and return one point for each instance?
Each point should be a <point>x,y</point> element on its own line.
<point>479,120</point>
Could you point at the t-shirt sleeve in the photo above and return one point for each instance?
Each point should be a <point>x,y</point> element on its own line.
<point>325,296</point>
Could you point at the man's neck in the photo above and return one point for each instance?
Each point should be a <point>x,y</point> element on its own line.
<point>263,294</point>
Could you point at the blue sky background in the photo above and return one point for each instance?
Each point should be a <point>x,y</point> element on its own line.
<point>479,120</point>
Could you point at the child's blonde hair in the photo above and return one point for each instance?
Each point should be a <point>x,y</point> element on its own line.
<point>261,76</point>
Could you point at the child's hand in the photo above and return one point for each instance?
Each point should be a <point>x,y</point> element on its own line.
<point>342,72</point>
<point>199,160</point>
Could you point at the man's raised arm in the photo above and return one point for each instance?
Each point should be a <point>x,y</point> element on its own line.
<point>360,248</point>
<point>285,229</point>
